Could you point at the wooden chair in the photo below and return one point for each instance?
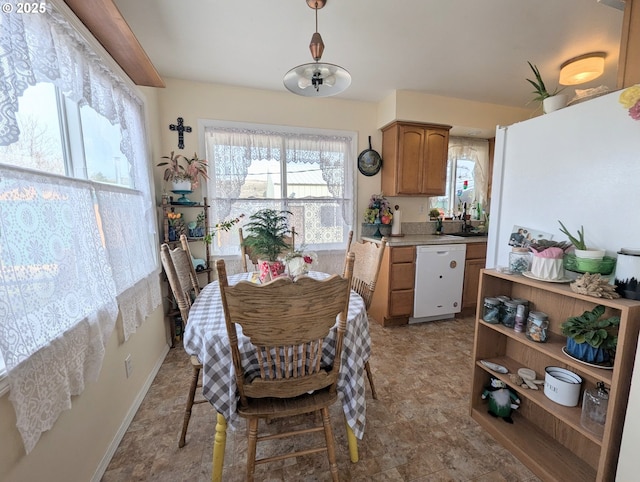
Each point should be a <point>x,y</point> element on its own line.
<point>184,285</point>
<point>246,251</point>
<point>286,323</point>
<point>365,275</point>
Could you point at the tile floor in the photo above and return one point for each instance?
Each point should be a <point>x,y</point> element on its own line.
<point>418,430</point>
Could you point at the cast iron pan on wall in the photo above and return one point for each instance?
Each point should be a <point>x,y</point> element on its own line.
<point>369,161</point>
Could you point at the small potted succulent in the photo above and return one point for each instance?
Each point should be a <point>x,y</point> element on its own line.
<point>550,100</point>
<point>587,259</point>
<point>591,338</point>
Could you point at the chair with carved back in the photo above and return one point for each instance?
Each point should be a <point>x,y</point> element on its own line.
<point>287,322</point>
<point>247,253</point>
<point>179,269</point>
<point>365,275</point>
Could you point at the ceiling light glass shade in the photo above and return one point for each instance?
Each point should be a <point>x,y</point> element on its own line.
<point>582,69</point>
<point>317,79</point>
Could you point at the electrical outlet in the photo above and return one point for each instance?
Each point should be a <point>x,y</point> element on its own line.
<point>128,365</point>
<point>422,208</point>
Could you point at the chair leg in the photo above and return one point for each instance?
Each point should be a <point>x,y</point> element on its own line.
<point>187,411</point>
<point>331,448</point>
<point>370,378</point>
<point>251,448</point>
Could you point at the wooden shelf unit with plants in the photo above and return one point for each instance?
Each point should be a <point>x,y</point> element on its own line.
<point>166,208</point>
<point>548,437</point>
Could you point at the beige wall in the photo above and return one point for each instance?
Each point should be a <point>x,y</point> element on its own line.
<point>77,444</point>
<point>193,101</point>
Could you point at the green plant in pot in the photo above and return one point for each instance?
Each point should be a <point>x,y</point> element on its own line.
<point>590,337</point>
<point>267,231</point>
<point>542,95</point>
<point>434,213</point>
<point>588,260</point>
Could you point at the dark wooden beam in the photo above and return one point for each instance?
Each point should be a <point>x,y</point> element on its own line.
<point>108,26</point>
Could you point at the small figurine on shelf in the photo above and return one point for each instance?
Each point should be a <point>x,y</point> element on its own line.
<point>501,399</point>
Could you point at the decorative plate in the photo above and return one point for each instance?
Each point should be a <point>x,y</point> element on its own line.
<point>529,274</point>
<point>604,366</point>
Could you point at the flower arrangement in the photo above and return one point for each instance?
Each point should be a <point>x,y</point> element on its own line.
<point>195,169</point>
<point>299,262</point>
<point>174,218</point>
<point>630,99</point>
<point>176,225</point>
<point>379,210</point>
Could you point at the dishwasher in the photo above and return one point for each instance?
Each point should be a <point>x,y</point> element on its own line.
<point>438,286</point>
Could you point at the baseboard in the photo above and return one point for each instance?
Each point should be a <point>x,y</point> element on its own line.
<point>104,463</point>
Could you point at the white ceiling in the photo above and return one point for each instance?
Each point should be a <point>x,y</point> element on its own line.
<point>468,49</point>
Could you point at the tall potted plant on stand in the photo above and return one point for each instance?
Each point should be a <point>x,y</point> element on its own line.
<point>550,100</point>
<point>267,231</point>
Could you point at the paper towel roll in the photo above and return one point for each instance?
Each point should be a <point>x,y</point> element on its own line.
<point>396,222</point>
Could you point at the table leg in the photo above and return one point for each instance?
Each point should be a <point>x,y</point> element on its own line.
<point>353,444</point>
<point>219,445</point>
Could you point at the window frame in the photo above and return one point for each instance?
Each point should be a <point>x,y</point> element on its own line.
<point>350,171</point>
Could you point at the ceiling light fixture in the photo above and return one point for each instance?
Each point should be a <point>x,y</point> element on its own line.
<point>583,68</point>
<point>317,79</point>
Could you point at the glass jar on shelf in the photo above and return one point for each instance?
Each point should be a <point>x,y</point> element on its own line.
<point>537,326</point>
<point>519,260</point>
<point>491,310</point>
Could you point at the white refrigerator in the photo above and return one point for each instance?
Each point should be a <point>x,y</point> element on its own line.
<point>580,165</point>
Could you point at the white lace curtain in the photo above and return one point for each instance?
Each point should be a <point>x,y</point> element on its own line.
<point>231,151</point>
<point>72,252</point>
<point>476,150</point>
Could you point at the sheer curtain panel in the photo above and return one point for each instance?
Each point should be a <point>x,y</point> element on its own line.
<point>73,253</point>
<point>58,303</point>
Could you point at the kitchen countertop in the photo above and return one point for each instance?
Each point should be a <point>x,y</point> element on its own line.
<point>423,239</point>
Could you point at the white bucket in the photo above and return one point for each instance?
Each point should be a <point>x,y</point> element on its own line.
<point>562,386</point>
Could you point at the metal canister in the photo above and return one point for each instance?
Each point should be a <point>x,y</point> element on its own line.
<point>537,325</point>
<point>491,310</point>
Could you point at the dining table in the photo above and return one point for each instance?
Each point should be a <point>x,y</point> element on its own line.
<point>206,337</point>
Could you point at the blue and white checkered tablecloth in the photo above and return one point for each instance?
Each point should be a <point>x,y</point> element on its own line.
<point>206,337</point>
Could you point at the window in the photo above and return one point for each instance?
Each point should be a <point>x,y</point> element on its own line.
<point>80,251</point>
<point>467,180</point>
<point>309,173</point>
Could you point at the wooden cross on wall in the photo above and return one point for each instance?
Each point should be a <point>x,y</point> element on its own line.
<point>181,128</point>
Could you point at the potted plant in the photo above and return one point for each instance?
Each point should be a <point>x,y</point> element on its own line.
<point>590,338</point>
<point>587,259</point>
<point>184,177</point>
<point>267,231</point>
<point>434,214</point>
<point>550,100</point>
<point>547,261</point>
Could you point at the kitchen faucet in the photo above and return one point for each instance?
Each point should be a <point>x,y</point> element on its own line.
<point>465,226</point>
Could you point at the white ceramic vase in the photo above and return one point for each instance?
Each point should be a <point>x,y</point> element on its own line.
<point>547,268</point>
<point>553,103</point>
<point>182,185</point>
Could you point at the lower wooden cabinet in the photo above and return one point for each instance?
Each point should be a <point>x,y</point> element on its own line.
<point>475,261</point>
<point>392,302</point>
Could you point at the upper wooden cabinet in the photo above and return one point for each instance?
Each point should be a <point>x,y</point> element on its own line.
<point>414,159</point>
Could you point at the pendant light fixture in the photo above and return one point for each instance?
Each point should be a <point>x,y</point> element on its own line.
<point>317,79</point>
